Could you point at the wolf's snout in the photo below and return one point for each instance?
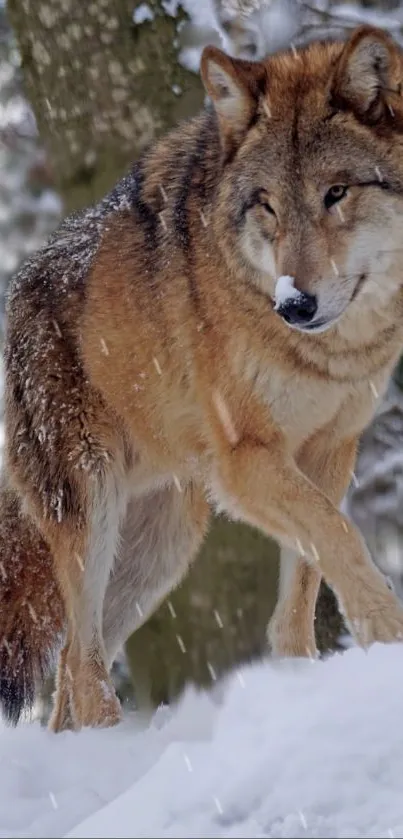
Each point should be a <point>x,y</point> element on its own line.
<point>298,310</point>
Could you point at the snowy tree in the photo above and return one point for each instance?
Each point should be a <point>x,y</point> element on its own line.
<point>101,86</point>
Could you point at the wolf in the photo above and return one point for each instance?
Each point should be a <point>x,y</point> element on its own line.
<point>215,333</point>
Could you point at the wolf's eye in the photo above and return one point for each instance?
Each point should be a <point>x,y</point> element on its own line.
<point>335,194</point>
<point>266,206</point>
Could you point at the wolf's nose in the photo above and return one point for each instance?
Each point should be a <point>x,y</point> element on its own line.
<point>298,310</point>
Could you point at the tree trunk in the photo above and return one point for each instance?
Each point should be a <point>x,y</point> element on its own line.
<point>101,86</point>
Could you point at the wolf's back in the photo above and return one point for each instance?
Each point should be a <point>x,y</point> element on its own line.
<point>31,609</point>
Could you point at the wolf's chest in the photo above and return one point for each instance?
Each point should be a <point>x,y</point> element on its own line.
<point>301,402</point>
<point>300,406</point>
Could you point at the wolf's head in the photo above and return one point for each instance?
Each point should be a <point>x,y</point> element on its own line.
<point>310,204</point>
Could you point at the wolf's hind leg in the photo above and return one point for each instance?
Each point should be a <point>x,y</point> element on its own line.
<point>62,717</point>
<point>83,558</point>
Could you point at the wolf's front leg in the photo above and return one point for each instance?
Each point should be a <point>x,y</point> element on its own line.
<point>291,631</point>
<point>261,484</point>
<point>292,628</point>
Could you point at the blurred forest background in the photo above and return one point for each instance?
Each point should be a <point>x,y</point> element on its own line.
<point>84,87</point>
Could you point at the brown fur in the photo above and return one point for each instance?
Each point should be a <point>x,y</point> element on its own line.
<point>152,370</point>
<point>31,608</point>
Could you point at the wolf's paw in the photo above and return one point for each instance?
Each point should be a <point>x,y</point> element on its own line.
<point>101,709</point>
<point>381,620</point>
<point>94,700</point>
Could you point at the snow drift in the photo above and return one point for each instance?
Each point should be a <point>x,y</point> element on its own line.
<point>294,749</point>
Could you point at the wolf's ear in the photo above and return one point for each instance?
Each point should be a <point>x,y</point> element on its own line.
<point>368,72</point>
<point>234,87</point>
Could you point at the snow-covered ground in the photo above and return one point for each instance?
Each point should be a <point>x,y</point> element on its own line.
<point>296,749</point>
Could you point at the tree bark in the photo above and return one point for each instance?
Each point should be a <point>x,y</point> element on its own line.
<point>101,87</point>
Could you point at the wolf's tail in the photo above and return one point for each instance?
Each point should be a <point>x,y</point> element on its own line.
<point>31,609</point>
